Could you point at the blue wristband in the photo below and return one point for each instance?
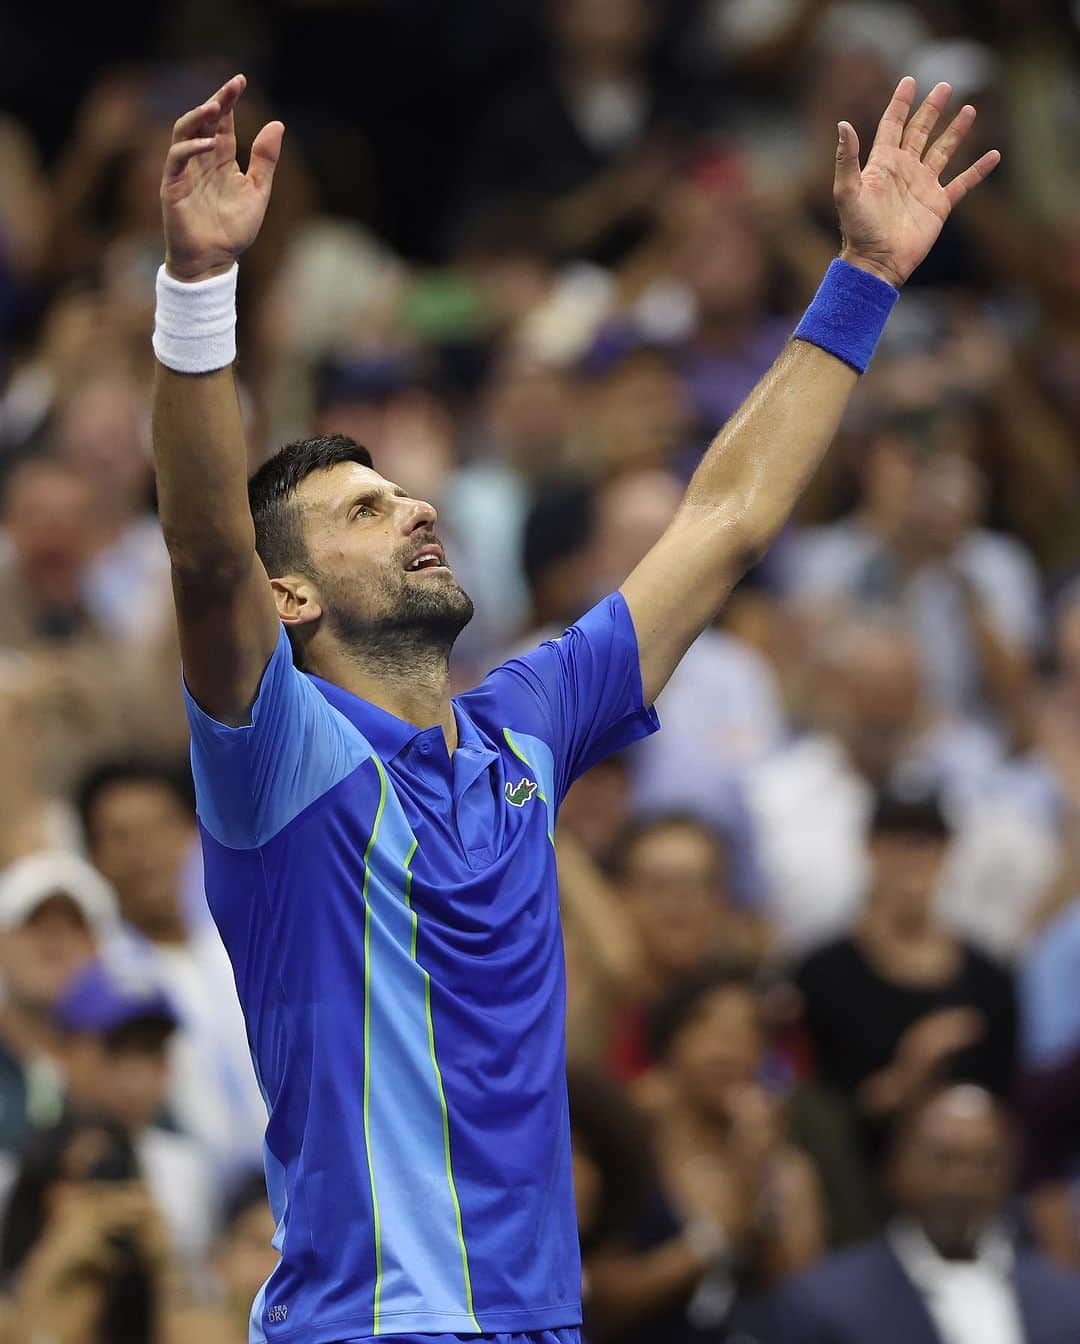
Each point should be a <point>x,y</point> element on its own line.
<point>848,314</point>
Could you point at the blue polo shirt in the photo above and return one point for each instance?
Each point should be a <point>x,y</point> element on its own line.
<point>392,916</point>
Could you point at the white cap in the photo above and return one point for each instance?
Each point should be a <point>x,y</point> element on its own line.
<point>29,882</point>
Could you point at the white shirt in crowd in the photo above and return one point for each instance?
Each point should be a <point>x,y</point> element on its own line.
<point>213,1093</point>
<point>811,809</point>
<point>969,1301</point>
<point>181,1183</point>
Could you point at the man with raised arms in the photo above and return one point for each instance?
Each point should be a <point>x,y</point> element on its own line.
<point>379,855</point>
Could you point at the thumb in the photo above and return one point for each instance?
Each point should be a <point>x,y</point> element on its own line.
<point>265,153</point>
<point>848,177</point>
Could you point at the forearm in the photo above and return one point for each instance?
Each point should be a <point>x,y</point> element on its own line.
<point>754,471</point>
<point>765,455</point>
<point>599,916</point>
<point>626,1288</point>
<point>199,452</point>
<point>763,458</point>
<point>200,463</point>
<point>893,1088</point>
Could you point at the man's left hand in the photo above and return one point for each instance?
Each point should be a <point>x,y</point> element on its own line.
<point>892,211</point>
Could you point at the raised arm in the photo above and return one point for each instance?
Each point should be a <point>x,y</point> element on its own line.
<point>212,212</point>
<point>891,213</point>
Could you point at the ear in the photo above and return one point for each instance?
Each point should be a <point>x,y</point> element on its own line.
<point>298,601</point>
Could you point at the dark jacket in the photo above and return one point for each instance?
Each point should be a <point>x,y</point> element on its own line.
<point>863,1296</point>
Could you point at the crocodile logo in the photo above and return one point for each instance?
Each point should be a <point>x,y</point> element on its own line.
<point>517,795</point>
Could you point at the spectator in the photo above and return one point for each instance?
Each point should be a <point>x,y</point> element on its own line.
<point>637,417</point>
<point>720,708</point>
<point>115,1037</point>
<point>70,682</point>
<point>626,1285</point>
<point>672,874</point>
<point>607,124</point>
<point>55,911</point>
<point>604,955</point>
<point>244,1257</point>
<point>557,556</point>
<point>596,811</point>
<point>949,1270</point>
<point>1059,710</point>
<point>735,338</point>
<point>100,433</point>
<point>139,823</point>
<point>83,1248</point>
<point>1050,1092</point>
<point>901,1002</point>
<point>725,1157</point>
<point>522,434</point>
<point>970,595</point>
<point>869,728</point>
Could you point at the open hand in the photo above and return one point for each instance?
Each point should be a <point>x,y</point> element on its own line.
<point>892,211</point>
<point>928,1044</point>
<point>211,210</point>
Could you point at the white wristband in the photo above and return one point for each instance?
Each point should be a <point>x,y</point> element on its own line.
<point>195,325</point>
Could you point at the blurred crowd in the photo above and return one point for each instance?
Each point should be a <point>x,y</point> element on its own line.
<point>823,932</point>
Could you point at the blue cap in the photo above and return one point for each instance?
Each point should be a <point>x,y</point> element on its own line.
<point>101,999</point>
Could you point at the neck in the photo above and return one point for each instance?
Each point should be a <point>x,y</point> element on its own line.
<point>883,922</point>
<point>958,1250</point>
<point>26,1031</point>
<point>583,68</point>
<point>166,932</point>
<point>411,683</point>
<point>693,1129</point>
<point>1068,686</point>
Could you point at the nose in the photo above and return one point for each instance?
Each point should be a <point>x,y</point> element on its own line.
<point>420,516</point>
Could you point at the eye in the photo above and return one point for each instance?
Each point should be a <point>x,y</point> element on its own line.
<point>363,511</point>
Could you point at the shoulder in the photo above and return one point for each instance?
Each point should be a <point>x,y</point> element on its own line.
<point>1050,1281</point>
<point>828,960</point>
<point>987,969</point>
<point>999,554</point>
<point>839,1273</point>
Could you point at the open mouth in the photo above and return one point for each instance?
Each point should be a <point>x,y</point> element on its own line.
<point>427,558</point>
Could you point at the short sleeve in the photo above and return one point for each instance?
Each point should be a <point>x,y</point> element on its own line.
<point>250,782</point>
<point>581,694</point>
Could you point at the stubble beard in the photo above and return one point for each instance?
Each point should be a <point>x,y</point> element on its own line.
<point>413,628</point>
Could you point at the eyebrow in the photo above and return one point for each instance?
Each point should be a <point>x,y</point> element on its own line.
<point>375,493</point>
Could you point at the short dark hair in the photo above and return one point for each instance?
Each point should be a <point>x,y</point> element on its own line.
<point>279,536</point>
<point>641,828</point>
<point>918,813</point>
<point>607,1127</point>
<point>248,1191</point>
<point>680,1004</point>
<point>559,523</point>
<point>100,778</point>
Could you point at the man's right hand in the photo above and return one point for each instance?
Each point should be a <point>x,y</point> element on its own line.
<point>928,1045</point>
<point>212,212</point>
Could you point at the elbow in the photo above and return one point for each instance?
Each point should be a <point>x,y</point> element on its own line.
<point>752,533</point>
<point>209,561</point>
<point>737,529</point>
<point>744,547</point>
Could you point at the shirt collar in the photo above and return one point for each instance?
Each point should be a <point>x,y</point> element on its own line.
<point>927,1268</point>
<point>386,733</point>
<point>389,735</point>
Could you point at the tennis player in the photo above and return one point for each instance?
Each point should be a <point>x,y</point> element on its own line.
<point>379,855</point>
